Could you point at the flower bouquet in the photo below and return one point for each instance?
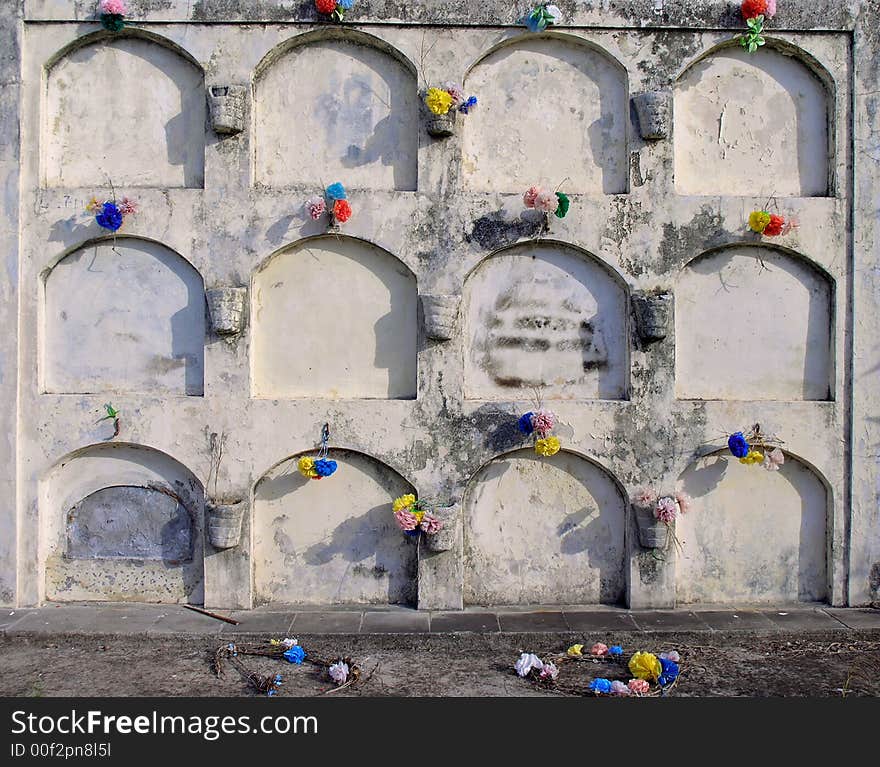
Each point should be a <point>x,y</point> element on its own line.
<point>541,16</point>
<point>109,214</point>
<point>112,14</point>
<point>414,517</point>
<point>547,202</point>
<point>754,13</point>
<point>320,466</point>
<point>656,514</point>
<point>769,224</point>
<point>754,447</point>
<point>334,203</point>
<point>538,424</point>
<point>444,103</point>
<point>335,9</point>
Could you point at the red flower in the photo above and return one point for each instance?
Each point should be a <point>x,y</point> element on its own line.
<point>774,228</point>
<point>341,211</point>
<point>750,8</point>
<point>325,6</point>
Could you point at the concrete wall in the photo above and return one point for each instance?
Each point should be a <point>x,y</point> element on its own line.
<point>780,333</point>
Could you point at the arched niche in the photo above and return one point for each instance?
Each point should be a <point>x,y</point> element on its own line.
<point>753,535</point>
<point>123,522</point>
<point>753,323</point>
<point>543,531</point>
<point>336,106</point>
<point>334,317</point>
<point>545,315</point>
<point>750,125</point>
<point>333,540</point>
<point>96,129</point>
<point>124,315</point>
<point>550,108</point>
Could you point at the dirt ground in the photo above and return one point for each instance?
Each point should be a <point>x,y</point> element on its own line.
<point>721,664</point>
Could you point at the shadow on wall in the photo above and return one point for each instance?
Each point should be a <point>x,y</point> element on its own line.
<point>543,531</point>
<point>753,536</point>
<point>333,540</point>
<point>94,81</point>
<point>554,100</point>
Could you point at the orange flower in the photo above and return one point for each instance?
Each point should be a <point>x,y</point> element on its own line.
<point>775,226</point>
<point>325,6</point>
<point>341,211</point>
<point>751,8</point>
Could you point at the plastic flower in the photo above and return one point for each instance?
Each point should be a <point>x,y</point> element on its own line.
<point>638,686</point>
<point>335,191</point>
<point>524,424</point>
<point>110,217</point>
<point>113,7</point>
<point>669,672</point>
<point>325,6</point>
<point>774,226</point>
<point>773,459</point>
<point>599,649</point>
<point>547,202</point>
<point>601,686</point>
<point>438,101</point>
<point>456,93</point>
<point>738,445</point>
<point>671,655</point>
<point>403,502</point>
<point>563,204</point>
<point>430,524</point>
<point>288,642</point>
<point>325,467</point>
<point>95,205</point>
<point>128,207</point>
<point>666,510</point>
<point>645,496</point>
<point>306,466</point>
<point>684,501</point>
<point>468,105</point>
<point>407,520</point>
<point>530,196</point>
<point>315,207</point>
<point>615,650</point>
<point>752,457</point>
<point>543,421</point>
<point>547,446</point>
<point>575,651</point>
<point>295,654</point>
<point>345,4</point>
<point>550,671</point>
<point>758,220</point>
<point>619,688</point>
<point>541,16</point>
<point>527,662</point>
<point>752,8</point>
<point>341,211</point>
<point>645,665</point>
<point>338,672</point>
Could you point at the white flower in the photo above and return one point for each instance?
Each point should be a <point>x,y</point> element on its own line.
<point>338,672</point>
<point>287,643</point>
<point>555,13</point>
<point>528,661</point>
<point>671,655</point>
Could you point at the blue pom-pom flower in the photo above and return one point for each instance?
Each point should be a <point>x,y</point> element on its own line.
<point>295,654</point>
<point>668,673</point>
<point>346,4</point>
<point>110,217</point>
<point>615,650</point>
<point>524,424</point>
<point>738,445</point>
<point>466,107</point>
<point>325,467</point>
<point>601,685</point>
<point>336,191</point>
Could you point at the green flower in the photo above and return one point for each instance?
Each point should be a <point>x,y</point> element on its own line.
<point>564,204</point>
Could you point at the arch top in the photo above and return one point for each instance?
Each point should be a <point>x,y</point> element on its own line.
<point>783,250</point>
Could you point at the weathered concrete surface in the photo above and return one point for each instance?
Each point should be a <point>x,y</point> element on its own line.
<point>644,237</point>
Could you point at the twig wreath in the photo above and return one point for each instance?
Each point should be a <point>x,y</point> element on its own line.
<point>321,466</point>
<point>650,675</point>
<point>755,447</point>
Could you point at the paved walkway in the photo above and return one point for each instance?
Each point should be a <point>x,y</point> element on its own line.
<point>130,618</point>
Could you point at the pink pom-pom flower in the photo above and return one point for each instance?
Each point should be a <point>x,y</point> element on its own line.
<point>550,671</point>
<point>543,422</point>
<point>645,496</point>
<point>430,524</point>
<point>406,519</point>
<point>599,649</point>
<point>666,510</point>
<point>316,207</point>
<point>546,202</point>
<point>638,686</point>
<point>456,92</point>
<point>128,207</point>
<point>113,7</point>
<point>531,196</point>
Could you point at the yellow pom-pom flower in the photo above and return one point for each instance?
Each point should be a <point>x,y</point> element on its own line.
<point>645,665</point>
<point>753,456</point>
<point>439,102</point>
<point>306,466</point>
<point>575,651</point>
<point>404,502</point>
<point>547,446</point>
<point>758,220</point>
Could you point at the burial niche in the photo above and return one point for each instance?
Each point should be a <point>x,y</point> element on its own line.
<point>96,129</point>
<point>127,315</point>
<point>751,125</point>
<point>543,531</point>
<point>334,317</point>
<point>336,109</point>
<point>753,535</point>
<point>548,316</point>
<point>550,108</point>
<point>753,323</point>
<point>333,540</point>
